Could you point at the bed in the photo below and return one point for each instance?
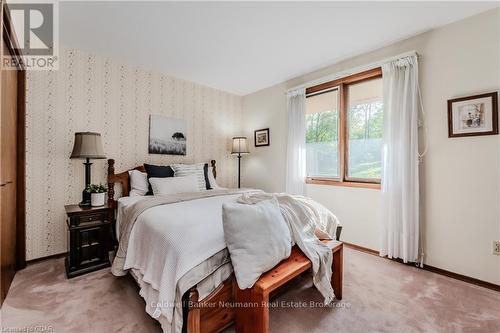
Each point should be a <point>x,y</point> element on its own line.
<point>204,293</point>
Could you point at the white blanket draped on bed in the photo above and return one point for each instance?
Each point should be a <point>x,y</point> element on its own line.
<point>304,217</point>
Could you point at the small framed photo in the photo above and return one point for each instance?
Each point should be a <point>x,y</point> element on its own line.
<point>261,137</point>
<point>473,115</point>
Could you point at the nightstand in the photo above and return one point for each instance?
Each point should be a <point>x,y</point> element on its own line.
<point>89,230</point>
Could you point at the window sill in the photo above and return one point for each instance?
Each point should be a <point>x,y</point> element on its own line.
<point>326,181</point>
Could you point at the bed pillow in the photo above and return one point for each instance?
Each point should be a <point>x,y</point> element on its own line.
<point>199,170</point>
<point>257,238</point>
<point>211,179</point>
<point>174,185</point>
<point>157,171</point>
<point>139,184</point>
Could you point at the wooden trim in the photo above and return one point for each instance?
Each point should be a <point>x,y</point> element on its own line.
<point>343,131</point>
<point>10,36</point>
<point>494,111</point>
<point>326,91</point>
<point>463,278</point>
<point>21,172</point>
<point>333,182</point>
<point>361,248</point>
<point>363,180</point>
<point>432,269</point>
<point>11,41</point>
<point>355,78</point>
<point>53,256</point>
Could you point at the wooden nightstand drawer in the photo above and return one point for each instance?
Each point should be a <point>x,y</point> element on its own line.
<point>88,220</point>
<point>89,231</point>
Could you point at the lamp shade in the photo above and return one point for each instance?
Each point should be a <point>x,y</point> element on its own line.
<point>240,145</point>
<point>88,145</point>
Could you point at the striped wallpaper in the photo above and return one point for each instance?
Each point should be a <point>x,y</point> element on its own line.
<point>91,93</point>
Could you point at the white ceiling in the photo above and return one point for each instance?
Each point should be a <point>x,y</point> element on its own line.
<point>241,47</point>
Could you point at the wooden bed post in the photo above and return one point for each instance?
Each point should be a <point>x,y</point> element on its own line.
<point>338,272</point>
<point>111,185</point>
<point>193,321</point>
<point>255,317</point>
<point>214,169</point>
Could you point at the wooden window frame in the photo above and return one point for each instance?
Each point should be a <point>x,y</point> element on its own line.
<point>342,84</point>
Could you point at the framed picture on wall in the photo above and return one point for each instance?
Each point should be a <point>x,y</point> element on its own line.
<point>261,137</point>
<point>473,115</point>
<point>167,135</point>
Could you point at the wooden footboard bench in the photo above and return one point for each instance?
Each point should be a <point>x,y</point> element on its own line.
<point>220,309</point>
<point>255,317</point>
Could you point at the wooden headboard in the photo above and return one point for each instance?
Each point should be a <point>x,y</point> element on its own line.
<point>123,179</point>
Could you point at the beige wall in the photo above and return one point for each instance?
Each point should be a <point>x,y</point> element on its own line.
<point>90,93</point>
<point>460,177</point>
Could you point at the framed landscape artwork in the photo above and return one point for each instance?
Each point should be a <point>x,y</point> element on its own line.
<point>167,135</point>
<point>261,137</point>
<point>473,115</point>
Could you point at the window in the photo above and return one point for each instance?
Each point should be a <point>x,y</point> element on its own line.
<point>322,134</point>
<point>364,126</point>
<point>344,120</point>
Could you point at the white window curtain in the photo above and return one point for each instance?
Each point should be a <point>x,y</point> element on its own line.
<point>296,143</point>
<point>400,163</point>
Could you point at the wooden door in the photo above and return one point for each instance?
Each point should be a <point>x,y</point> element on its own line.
<point>8,174</point>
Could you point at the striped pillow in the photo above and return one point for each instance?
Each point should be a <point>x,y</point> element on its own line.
<point>182,170</point>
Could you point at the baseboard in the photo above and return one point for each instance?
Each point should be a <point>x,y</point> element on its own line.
<point>433,269</point>
<point>464,278</point>
<point>361,248</point>
<point>53,256</point>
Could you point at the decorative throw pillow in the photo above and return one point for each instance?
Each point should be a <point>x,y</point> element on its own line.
<point>157,171</point>
<point>174,185</point>
<point>198,170</point>
<point>257,238</point>
<point>139,184</point>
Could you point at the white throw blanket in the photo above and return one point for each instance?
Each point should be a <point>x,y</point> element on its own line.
<point>304,216</point>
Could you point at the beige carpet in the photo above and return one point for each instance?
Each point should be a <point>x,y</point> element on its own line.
<point>379,296</point>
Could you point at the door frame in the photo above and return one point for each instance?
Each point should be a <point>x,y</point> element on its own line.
<point>12,44</point>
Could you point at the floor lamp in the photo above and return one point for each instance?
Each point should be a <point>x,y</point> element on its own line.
<point>240,147</point>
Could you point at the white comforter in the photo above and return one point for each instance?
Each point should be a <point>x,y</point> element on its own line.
<point>169,240</point>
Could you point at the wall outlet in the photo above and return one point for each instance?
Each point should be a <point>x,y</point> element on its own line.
<point>496,248</point>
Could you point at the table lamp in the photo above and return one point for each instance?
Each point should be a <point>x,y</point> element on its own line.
<point>87,146</point>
